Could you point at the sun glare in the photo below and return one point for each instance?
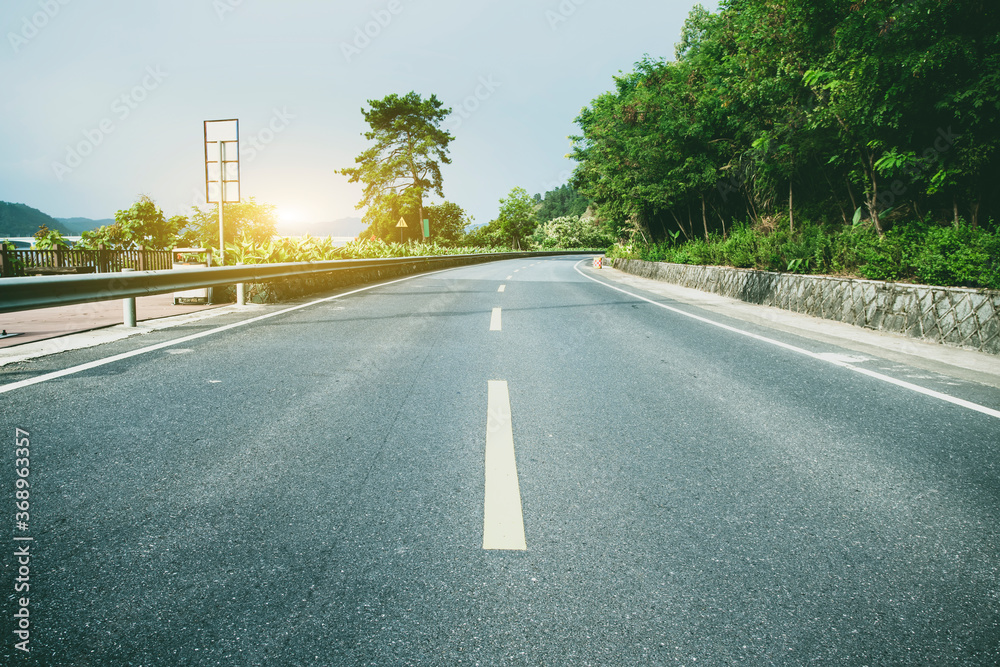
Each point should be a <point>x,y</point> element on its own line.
<point>288,215</point>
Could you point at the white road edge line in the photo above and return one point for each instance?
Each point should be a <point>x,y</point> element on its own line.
<point>159,346</point>
<point>495,320</point>
<point>818,356</point>
<point>503,518</point>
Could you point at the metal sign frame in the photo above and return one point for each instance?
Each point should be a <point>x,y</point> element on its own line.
<point>229,168</point>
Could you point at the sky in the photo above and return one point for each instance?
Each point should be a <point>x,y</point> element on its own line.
<point>104,100</point>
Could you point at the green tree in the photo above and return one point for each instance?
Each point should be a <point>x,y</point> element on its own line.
<point>827,110</point>
<point>564,200</point>
<point>145,225</point>
<point>448,222</point>
<point>256,221</point>
<point>404,162</point>
<point>49,239</point>
<point>516,220</point>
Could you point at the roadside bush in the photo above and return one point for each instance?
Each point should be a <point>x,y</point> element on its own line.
<point>921,251</point>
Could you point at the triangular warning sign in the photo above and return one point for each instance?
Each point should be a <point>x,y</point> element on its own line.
<point>402,223</point>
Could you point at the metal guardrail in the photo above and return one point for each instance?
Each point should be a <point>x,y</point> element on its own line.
<point>29,293</point>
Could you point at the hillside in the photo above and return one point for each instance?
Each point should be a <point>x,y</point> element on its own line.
<point>22,220</point>
<point>78,225</point>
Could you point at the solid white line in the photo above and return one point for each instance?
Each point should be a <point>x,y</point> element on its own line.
<point>502,288</point>
<point>159,346</point>
<point>495,320</point>
<point>503,519</point>
<point>818,356</point>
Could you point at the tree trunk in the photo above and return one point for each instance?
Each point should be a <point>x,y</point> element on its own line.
<point>704,218</point>
<point>954,206</point>
<point>680,226</point>
<point>721,219</point>
<point>873,198</point>
<point>791,223</point>
<point>833,191</point>
<point>850,193</point>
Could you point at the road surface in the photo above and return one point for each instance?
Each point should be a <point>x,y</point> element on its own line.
<point>511,463</point>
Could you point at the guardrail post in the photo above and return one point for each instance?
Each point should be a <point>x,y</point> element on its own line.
<point>128,307</point>
<point>6,265</point>
<point>241,297</point>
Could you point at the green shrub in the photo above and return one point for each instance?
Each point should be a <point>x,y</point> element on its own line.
<point>916,251</point>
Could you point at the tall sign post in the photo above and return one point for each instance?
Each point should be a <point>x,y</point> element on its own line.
<point>401,226</point>
<point>222,169</point>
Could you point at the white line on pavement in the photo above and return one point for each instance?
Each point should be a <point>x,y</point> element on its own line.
<point>502,288</point>
<point>495,320</point>
<point>503,519</point>
<point>830,359</point>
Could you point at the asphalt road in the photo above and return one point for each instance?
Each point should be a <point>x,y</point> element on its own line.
<point>310,488</point>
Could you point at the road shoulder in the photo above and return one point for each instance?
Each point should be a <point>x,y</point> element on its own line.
<point>967,365</point>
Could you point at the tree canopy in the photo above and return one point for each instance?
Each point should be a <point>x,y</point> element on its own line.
<point>249,219</point>
<point>143,224</point>
<point>868,112</point>
<point>448,222</point>
<point>403,163</point>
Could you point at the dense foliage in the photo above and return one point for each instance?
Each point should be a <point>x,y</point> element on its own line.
<point>448,222</point>
<point>249,218</point>
<point>923,251</point>
<point>247,250</point>
<point>877,113</point>
<point>561,202</point>
<point>141,225</point>
<point>49,239</point>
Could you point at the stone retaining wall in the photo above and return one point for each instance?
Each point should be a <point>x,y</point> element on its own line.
<point>956,316</point>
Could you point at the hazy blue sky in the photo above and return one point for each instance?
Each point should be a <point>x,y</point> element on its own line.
<point>104,99</point>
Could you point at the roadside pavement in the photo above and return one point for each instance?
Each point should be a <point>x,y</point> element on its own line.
<point>45,323</point>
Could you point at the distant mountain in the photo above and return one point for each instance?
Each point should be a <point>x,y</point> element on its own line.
<point>78,225</point>
<point>342,227</point>
<point>22,220</point>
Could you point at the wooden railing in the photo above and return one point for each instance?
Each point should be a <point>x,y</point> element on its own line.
<point>29,262</point>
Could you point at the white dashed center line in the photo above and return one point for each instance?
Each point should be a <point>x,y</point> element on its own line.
<point>502,288</point>
<point>495,320</point>
<point>503,520</point>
